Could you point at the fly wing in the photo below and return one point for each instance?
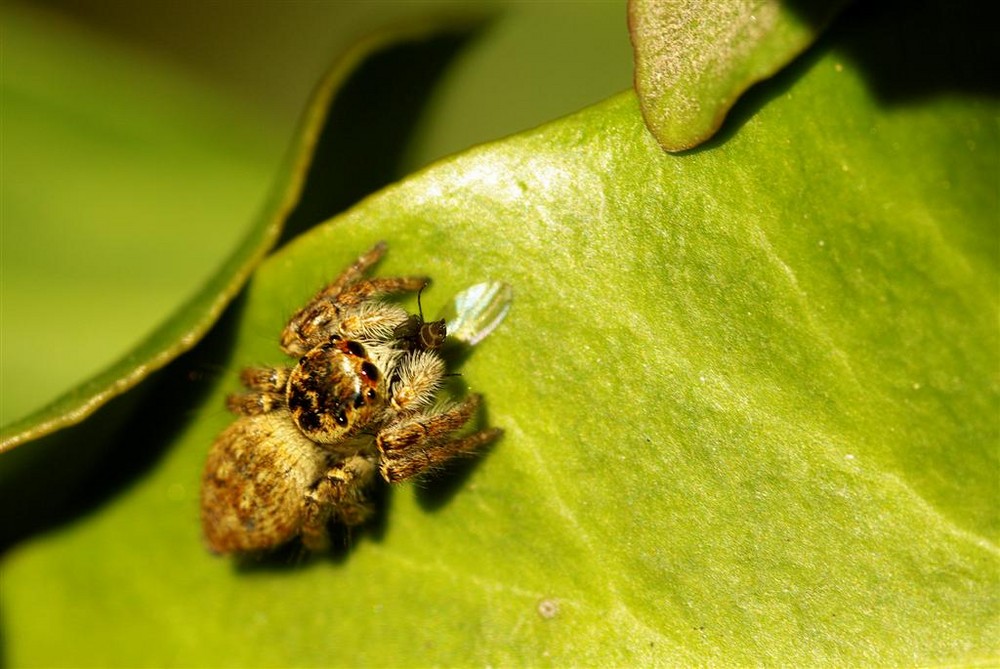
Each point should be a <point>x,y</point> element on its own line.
<point>475,312</point>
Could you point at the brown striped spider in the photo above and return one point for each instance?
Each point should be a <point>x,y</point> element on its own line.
<point>310,439</point>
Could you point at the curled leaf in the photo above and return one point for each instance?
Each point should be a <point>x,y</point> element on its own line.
<point>694,58</point>
<point>286,206</point>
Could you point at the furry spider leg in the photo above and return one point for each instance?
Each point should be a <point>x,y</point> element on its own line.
<point>267,391</point>
<point>343,302</point>
<point>422,442</point>
<point>340,495</point>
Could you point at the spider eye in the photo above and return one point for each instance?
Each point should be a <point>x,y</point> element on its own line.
<point>370,394</point>
<point>369,370</point>
<point>341,418</point>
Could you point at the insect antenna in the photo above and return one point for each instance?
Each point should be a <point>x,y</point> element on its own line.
<point>416,334</point>
<point>420,307</point>
<point>431,335</point>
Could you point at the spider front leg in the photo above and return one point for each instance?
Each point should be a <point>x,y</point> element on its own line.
<point>339,495</point>
<point>339,304</point>
<point>415,382</point>
<point>422,442</point>
<point>305,326</point>
<point>267,386</point>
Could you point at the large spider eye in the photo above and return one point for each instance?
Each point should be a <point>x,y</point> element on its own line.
<point>369,370</point>
<point>341,418</point>
<point>356,349</point>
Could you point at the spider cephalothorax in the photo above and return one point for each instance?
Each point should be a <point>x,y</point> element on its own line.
<point>335,390</point>
<point>310,438</point>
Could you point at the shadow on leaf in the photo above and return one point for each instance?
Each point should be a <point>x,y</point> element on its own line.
<point>368,127</point>
<point>437,489</point>
<point>73,472</point>
<point>906,52</point>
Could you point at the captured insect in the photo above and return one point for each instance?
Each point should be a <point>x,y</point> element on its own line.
<point>467,319</point>
<point>475,312</point>
<point>416,334</point>
<point>311,438</point>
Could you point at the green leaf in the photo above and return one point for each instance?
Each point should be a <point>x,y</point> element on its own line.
<point>34,104</point>
<point>750,397</point>
<point>125,184</point>
<point>693,60</point>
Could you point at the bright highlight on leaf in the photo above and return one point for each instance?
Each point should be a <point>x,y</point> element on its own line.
<point>694,58</point>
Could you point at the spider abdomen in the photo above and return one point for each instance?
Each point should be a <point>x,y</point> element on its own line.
<point>254,481</point>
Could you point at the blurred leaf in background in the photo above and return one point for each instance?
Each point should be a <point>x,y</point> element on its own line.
<point>125,184</point>
<point>118,149</point>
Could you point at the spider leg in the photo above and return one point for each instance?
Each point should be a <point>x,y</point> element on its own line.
<point>271,379</point>
<point>372,321</point>
<point>422,442</point>
<point>350,275</point>
<point>339,495</point>
<point>267,391</point>
<point>415,381</point>
<point>308,324</point>
<point>334,309</point>
<point>369,289</point>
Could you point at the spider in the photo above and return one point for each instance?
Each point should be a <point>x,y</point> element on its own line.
<point>310,439</point>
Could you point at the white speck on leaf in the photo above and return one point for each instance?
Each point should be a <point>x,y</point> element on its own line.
<point>548,608</point>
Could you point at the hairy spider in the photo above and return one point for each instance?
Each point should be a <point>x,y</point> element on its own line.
<point>311,438</point>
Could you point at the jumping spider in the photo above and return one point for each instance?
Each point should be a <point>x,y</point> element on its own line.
<point>310,439</point>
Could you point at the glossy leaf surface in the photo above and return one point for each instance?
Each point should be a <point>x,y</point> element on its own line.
<point>750,397</point>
